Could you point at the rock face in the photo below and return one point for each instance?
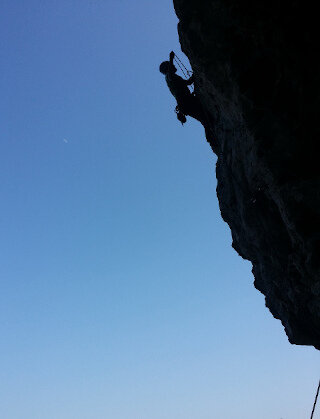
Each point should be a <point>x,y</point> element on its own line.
<point>257,76</point>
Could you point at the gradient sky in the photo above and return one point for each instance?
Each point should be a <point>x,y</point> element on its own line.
<point>121,297</point>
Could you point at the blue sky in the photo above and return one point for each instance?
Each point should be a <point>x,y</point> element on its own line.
<point>121,296</point>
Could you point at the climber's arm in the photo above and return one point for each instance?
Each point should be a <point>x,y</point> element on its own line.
<point>171,57</point>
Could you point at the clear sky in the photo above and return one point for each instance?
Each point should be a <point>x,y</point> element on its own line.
<point>121,297</point>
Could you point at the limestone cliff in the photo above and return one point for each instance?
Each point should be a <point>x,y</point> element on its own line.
<point>257,75</point>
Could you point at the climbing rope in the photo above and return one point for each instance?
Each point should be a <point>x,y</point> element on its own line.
<point>315,401</point>
<point>177,62</point>
<point>182,67</point>
<point>187,73</point>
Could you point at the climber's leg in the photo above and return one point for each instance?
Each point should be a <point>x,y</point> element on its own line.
<point>193,108</point>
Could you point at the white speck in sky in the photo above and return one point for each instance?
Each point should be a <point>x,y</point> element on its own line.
<point>65,140</point>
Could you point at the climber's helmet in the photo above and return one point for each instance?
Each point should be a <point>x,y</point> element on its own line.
<point>165,66</point>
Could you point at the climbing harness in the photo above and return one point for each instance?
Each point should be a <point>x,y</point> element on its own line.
<point>315,401</point>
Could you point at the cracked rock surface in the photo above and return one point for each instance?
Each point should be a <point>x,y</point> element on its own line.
<point>257,76</point>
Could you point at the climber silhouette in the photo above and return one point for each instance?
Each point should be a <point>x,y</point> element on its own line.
<point>187,103</point>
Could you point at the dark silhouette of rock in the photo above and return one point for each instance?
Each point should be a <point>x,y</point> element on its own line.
<point>257,75</point>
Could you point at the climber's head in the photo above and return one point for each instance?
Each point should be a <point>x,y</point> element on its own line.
<point>166,66</point>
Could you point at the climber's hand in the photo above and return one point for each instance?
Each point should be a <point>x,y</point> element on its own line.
<point>171,55</point>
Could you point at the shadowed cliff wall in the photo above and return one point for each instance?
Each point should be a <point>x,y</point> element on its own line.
<point>257,76</point>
